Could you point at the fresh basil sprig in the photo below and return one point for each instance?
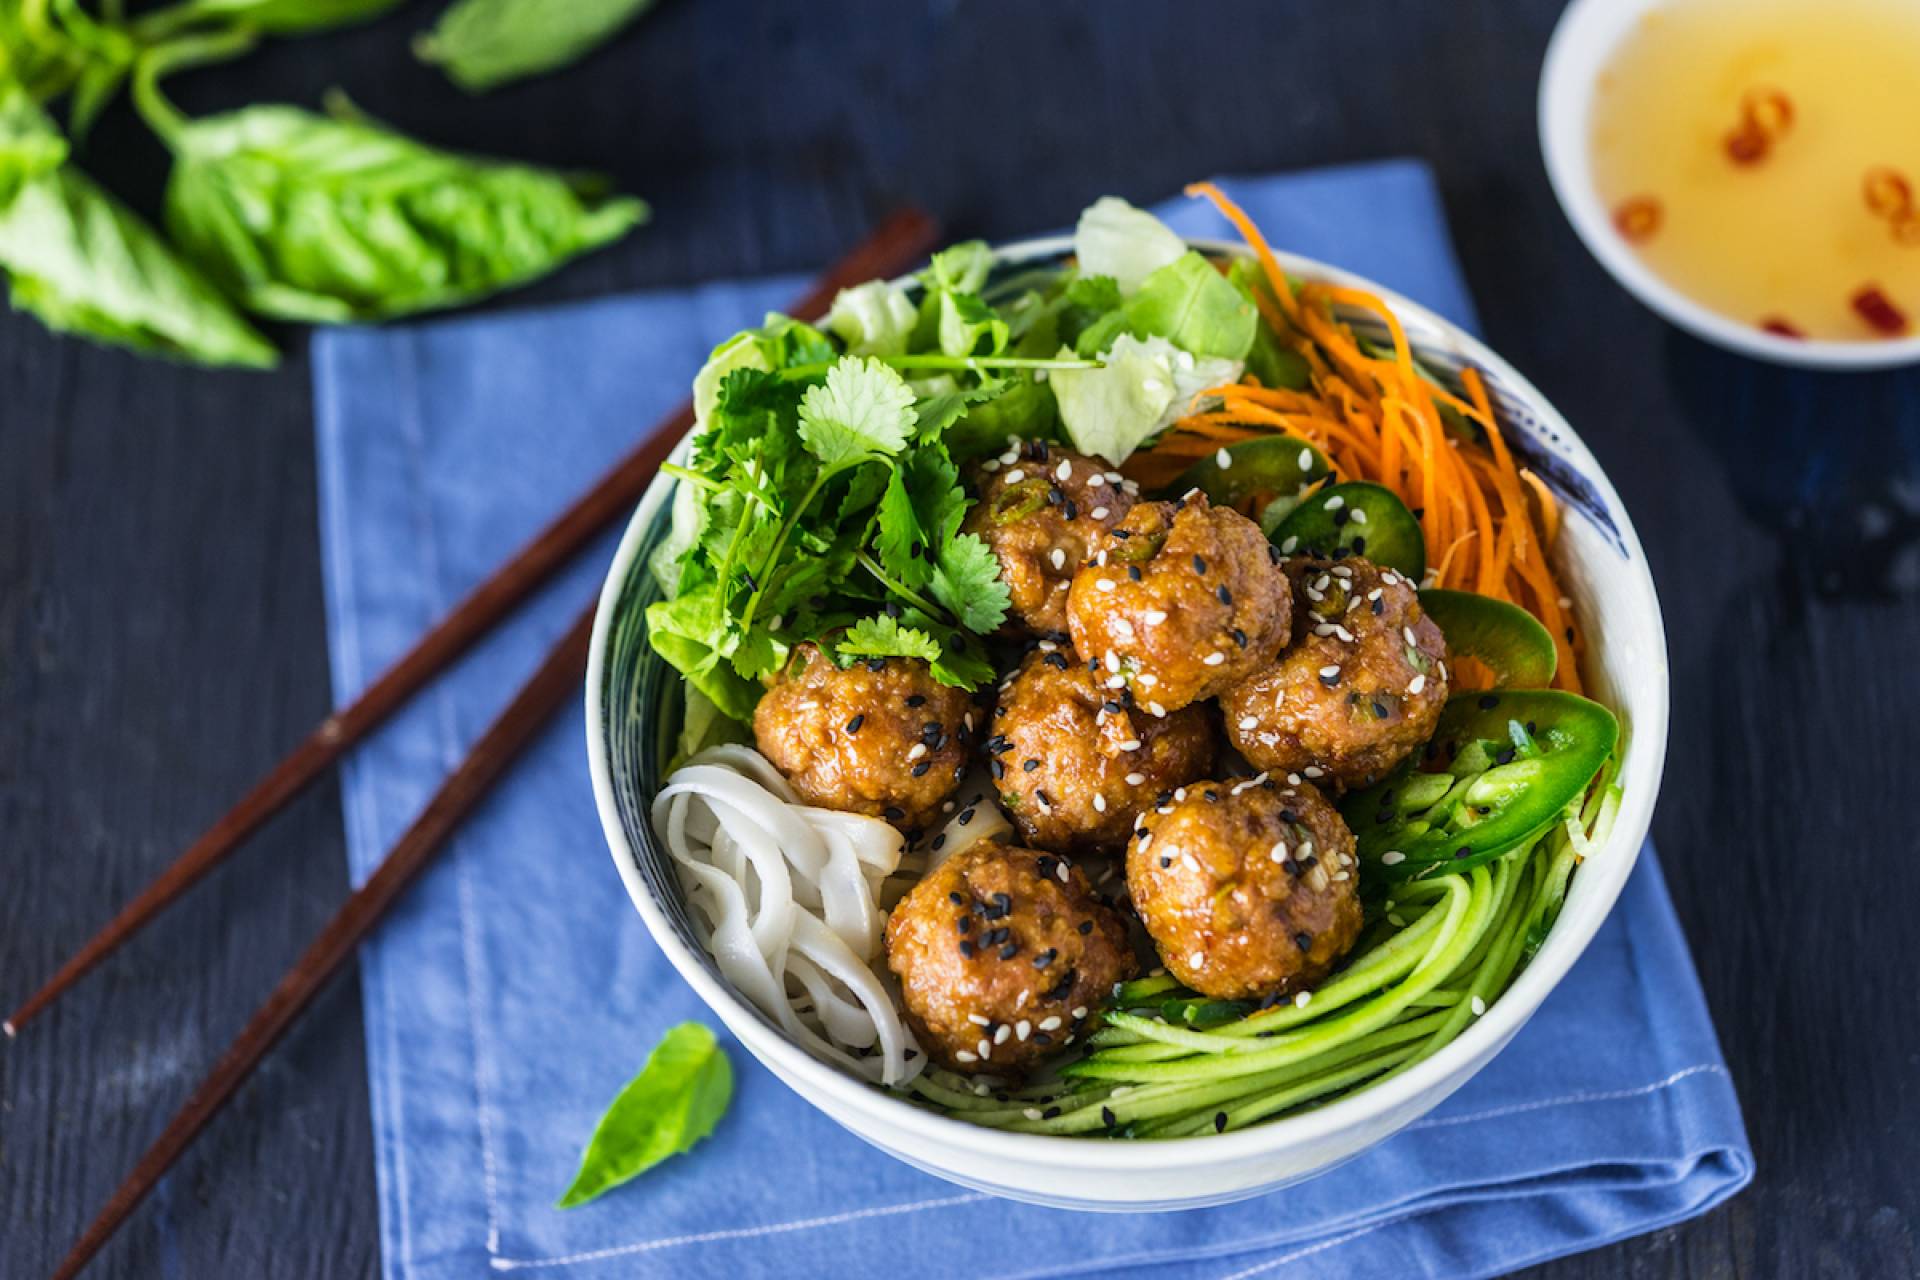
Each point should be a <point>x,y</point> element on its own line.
<point>676,1100</point>
<point>335,218</point>
<point>482,44</point>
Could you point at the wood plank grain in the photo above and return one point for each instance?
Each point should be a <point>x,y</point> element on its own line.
<point>161,625</point>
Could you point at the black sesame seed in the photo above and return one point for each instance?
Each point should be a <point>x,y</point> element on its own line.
<point>1029,764</point>
<point>1239,637</point>
<point>1213,797</point>
<point>956,897</point>
<point>1056,660</point>
<point>966,949</point>
<point>1303,940</point>
<point>1050,1113</point>
<point>1488,702</point>
<point>1108,1118</point>
<point>1341,516</point>
<point>1054,496</point>
<point>892,610</point>
<point>853,725</point>
<point>1331,680</point>
<point>876,664</point>
<point>1219,1121</point>
<point>995,936</point>
<point>1293,868</point>
<point>1505,756</point>
<point>1133,571</point>
<point>916,699</point>
<point>1289,817</point>
<point>1309,862</point>
<point>1273,553</point>
<point>1086,927</point>
<point>1045,958</point>
<point>1225,596</point>
<point>1166,861</point>
<point>893,813</point>
<point>940,841</point>
<point>1009,951</point>
<point>997,769</point>
<point>1042,1038</point>
<point>1112,707</point>
<point>966,816</point>
<point>1199,564</point>
<point>1071,510</point>
<point>1462,851</point>
<point>963,924</point>
<point>1004,901</point>
<point>1122,534</point>
<point>920,770</point>
<point>1380,711</point>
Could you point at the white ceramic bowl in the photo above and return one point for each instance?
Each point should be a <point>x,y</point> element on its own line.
<point>1583,43</point>
<point>1602,568</point>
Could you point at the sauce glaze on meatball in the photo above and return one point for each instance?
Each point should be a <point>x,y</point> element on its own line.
<point>1249,888</point>
<point>1182,599</point>
<point>1074,761</point>
<point>1002,955</point>
<point>1040,505</point>
<point>1360,689</point>
<point>881,737</point>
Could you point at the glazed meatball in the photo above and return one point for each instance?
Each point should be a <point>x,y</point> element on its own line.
<point>1075,761</point>
<point>1249,888</point>
<point>1182,599</point>
<point>1002,955</point>
<point>1361,688</point>
<point>1040,505</point>
<point>881,737</point>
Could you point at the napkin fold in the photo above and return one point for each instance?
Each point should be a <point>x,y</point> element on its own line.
<point>514,989</point>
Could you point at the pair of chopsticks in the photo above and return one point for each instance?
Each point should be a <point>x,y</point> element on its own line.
<point>896,244</point>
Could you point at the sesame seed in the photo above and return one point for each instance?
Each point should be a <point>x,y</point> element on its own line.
<point>979,1021</point>
<point>1022,1029</point>
<point>1306,459</point>
<point>1062,872</point>
<point>1478,1006</point>
<point>1058,557</point>
<point>1336,502</point>
<point>1095,480</point>
<point>1116,682</point>
<point>1029,764</point>
<point>1108,1118</point>
<point>1050,1023</point>
<point>1314,771</point>
<point>1289,544</point>
<point>1079,1011</point>
<point>1015,476</point>
<point>919,749</point>
<point>964,1056</point>
<point>1112,660</point>
<point>1302,1000</point>
<point>1099,513</point>
<point>1359,516</point>
<point>1031,1113</point>
<point>1199,564</point>
<point>1154,617</point>
<point>1219,1121</point>
<point>853,725</point>
<point>1135,779</point>
<point>1413,641</point>
<point>1415,685</point>
<point>1131,744</point>
<point>1248,722</point>
<point>1004,1034</point>
<point>1099,804</point>
<point>1105,584</point>
<point>1392,858</point>
<point>984,1048</point>
<point>1159,712</point>
<point>1214,659</point>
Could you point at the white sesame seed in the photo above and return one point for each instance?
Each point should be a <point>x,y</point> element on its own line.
<point>1306,459</point>
<point>1116,682</point>
<point>1021,1003</point>
<point>1033,1113</point>
<point>1015,476</point>
<point>1058,557</point>
<point>1336,502</point>
<point>1079,1011</point>
<point>1279,852</point>
<point>1288,544</point>
<point>1392,858</point>
<point>1064,471</point>
<point>1046,646</point>
<point>1190,494</point>
<point>1224,459</point>
<point>1131,744</point>
<point>1302,1000</point>
<point>919,749</point>
<point>1105,584</point>
<point>1341,571</point>
<point>1135,779</point>
<point>1123,628</point>
<point>1323,629</point>
<point>1148,679</point>
<point>1041,796</point>
<point>1339,876</point>
<point>1061,871</point>
<point>1197,959</point>
<point>1214,659</point>
<point>1099,513</point>
<point>1406,633</point>
<point>1050,1023</point>
<point>984,1048</point>
<point>1112,660</point>
<point>1004,1034</point>
<point>1096,480</point>
<point>1159,712</point>
<point>1359,516</point>
<point>1145,840</point>
<point>1101,559</point>
<point>1249,722</point>
<point>1179,793</point>
<point>963,1056</point>
<point>1329,672</point>
<point>1113,477</point>
<point>1314,771</point>
<point>1099,804</point>
<point>1293,779</point>
<point>990,466</point>
<point>1344,634</point>
<point>1190,862</point>
<point>979,1021</point>
<point>1154,617</point>
<point>1415,685</point>
<point>1478,1006</point>
<point>1023,1028</point>
<point>1394,919</point>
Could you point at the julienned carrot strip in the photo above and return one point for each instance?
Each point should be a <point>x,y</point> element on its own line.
<point>1276,278</point>
<point>1549,508</point>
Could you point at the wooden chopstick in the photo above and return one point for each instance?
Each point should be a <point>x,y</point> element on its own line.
<point>900,241</point>
<point>551,685</point>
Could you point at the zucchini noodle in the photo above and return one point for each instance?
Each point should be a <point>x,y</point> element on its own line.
<point>1439,953</point>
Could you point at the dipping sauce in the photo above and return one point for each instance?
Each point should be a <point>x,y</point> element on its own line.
<point>1763,156</point>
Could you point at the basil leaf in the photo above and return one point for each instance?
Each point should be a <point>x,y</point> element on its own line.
<point>673,1103</point>
<point>85,264</point>
<point>311,218</point>
<point>482,44</point>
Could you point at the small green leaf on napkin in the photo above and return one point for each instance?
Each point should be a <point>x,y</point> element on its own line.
<point>673,1103</point>
<point>482,44</point>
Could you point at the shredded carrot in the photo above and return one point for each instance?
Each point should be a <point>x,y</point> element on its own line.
<point>1489,524</point>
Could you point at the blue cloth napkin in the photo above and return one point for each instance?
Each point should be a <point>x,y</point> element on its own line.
<point>515,990</point>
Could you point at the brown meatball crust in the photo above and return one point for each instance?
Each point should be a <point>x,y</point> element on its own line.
<point>881,737</point>
<point>1002,955</point>
<point>1040,505</point>
<point>1249,887</point>
<point>1183,599</point>
<point>1359,691</point>
<point>1076,761</point>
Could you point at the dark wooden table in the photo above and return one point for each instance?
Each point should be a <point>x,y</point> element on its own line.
<point>161,629</point>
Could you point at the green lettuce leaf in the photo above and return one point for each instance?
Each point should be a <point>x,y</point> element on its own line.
<point>872,319</point>
<point>30,143</point>
<point>1144,386</point>
<point>482,44</point>
<point>1196,308</point>
<point>1115,239</point>
<point>329,220</point>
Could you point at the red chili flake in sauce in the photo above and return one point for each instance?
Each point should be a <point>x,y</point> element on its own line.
<point>1637,218</point>
<point>1748,145</point>
<point>1767,109</point>
<point>1781,328</point>
<point>1877,309</point>
<point>1888,193</point>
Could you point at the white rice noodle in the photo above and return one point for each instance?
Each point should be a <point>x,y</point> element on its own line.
<point>790,898</point>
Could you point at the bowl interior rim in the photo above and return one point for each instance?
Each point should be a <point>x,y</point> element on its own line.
<point>1582,43</point>
<point>1606,872</point>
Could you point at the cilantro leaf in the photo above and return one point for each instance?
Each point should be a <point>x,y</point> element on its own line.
<point>863,409</point>
<point>967,583</point>
<point>938,412</point>
<point>882,636</point>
